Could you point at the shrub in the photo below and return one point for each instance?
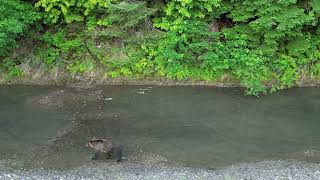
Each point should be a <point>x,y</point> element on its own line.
<point>16,17</point>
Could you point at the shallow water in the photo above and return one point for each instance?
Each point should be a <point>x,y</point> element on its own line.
<point>194,126</point>
<point>25,126</point>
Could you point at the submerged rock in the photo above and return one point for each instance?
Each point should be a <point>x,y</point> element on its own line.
<point>53,99</point>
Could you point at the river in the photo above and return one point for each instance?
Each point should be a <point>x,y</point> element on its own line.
<point>199,127</point>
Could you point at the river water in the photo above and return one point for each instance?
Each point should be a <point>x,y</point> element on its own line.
<point>193,126</point>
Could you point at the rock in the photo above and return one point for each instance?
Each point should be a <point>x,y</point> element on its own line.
<point>53,99</point>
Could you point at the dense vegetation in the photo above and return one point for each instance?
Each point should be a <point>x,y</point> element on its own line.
<point>253,41</point>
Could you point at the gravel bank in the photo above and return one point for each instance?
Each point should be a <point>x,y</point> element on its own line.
<point>151,170</point>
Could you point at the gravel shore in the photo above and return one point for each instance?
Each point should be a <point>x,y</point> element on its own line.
<point>152,170</point>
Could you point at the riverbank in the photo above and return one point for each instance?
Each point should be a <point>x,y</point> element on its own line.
<point>153,170</point>
<point>98,77</point>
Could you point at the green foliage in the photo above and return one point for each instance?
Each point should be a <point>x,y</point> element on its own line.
<point>71,10</point>
<point>284,30</point>
<point>274,27</point>
<point>79,67</point>
<point>287,71</point>
<point>176,11</point>
<point>252,41</point>
<point>192,48</point>
<point>15,18</point>
<point>106,13</point>
<point>60,48</point>
<point>106,27</point>
<point>9,69</point>
<point>316,71</point>
<point>188,8</point>
<point>260,40</point>
<point>125,15</point>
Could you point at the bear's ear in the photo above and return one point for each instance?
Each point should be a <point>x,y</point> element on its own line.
<point>93,139</point>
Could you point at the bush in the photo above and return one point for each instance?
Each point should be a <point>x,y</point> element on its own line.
<point>9,69</point>
<point>258,40</point>
<point>253,41</point>
<point>16,17</point>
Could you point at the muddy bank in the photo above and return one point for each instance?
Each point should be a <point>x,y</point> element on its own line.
<point>96,77</point>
